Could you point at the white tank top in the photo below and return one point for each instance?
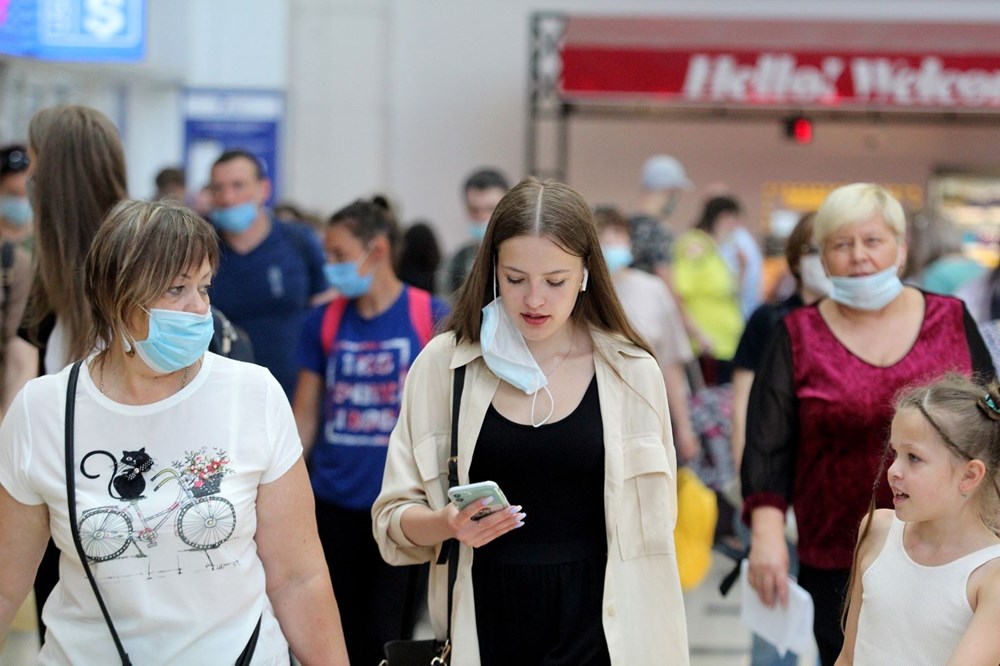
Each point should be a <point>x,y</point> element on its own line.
<point>911,614</point>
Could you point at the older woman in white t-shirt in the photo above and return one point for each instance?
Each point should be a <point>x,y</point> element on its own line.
<point>192,504</point>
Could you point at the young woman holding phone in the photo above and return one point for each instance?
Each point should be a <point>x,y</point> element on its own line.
<point>564,408</point>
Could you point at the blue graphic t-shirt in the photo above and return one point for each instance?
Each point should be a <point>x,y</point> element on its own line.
<point>267,292</point>
<point>364,376</point>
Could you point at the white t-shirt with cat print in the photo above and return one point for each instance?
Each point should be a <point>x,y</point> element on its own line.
<point>168,519</point>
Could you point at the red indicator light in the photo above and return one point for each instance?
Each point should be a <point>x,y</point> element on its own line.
<point>799,129</point>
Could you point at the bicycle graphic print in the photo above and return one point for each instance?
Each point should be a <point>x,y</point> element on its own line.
<point>201,519</point>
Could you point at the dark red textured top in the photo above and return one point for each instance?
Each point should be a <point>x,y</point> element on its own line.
<point>819,418</point>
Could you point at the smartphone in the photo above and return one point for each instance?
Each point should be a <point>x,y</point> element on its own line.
<point>463,496</point>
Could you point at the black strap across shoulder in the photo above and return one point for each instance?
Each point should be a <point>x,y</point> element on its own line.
<point>449,549</point>
<point>74,376</point>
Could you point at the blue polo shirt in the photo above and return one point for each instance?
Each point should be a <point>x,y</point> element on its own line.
<point>267,293</point>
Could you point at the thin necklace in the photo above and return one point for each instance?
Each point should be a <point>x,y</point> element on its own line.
<point>572,342</point>
<point>184,377</point>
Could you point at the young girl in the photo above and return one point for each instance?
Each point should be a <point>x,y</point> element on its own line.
<point>564,407</point>
<point>929,585</point>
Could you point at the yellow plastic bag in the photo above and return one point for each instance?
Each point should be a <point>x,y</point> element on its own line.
<point>697,513</point>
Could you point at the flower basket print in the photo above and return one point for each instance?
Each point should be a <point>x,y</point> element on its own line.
<point>201,472</point>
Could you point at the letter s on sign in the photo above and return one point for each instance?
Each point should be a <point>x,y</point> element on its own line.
<point>104,18</point>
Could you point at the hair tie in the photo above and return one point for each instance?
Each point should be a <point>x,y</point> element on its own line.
<point>989,407</point>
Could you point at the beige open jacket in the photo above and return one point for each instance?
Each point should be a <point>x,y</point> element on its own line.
<point>643,612</point>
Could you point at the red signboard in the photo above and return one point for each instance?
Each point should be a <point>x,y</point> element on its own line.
<point>888,73</point>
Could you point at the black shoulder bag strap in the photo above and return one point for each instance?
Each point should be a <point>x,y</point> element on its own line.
<point>74,375</point>
<point>449,549</point>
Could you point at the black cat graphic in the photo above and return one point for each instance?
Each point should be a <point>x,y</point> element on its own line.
<point>129,482</point>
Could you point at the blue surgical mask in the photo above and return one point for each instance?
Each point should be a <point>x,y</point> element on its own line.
<point>814,275</point>
<point>477,230</point>
<point>867,292</point>
<point>344,277</point>
<point>16,210</point>
<point>235,219</point>
<point>507,355</point>
<point>617,257</point>
<point>176,339</point>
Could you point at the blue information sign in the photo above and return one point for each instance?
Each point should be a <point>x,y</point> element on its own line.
<point>216,120</point>
<point>74,30</point>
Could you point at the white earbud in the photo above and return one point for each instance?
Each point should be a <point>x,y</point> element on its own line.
<point>586,276</point>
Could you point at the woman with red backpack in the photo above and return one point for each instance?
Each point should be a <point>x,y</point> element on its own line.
<point>353,356</point>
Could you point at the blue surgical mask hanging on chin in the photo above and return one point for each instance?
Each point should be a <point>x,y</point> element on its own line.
<point>867,292</point>
<point>507,354</point>
<point>344,277</point>
<point>176,339</point>
<point>235,219</point>
<point>814,275</point>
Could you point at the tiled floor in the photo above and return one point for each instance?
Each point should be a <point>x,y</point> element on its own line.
<point>716,636</point>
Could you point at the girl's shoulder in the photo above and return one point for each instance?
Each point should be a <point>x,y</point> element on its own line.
<point>443,351</point>
<point>443,346</point>
<point>616,347</point>
<point>878,526</point>
<point>984,584</point>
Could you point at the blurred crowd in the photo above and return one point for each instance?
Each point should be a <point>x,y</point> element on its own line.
<point>747,345</point>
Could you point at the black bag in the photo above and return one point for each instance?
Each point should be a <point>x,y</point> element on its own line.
<point>429,652</point>
<point>432,652</point>
<point>230,340</point>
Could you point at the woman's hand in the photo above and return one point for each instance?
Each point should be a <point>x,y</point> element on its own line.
<point>476,533</point>
<point>688,445</point>
<point>769,556</point>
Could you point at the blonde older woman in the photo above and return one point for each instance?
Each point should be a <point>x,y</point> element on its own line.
<point>821,405</point>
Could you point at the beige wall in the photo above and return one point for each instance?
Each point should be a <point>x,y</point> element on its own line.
<point>407,97</point>
<point>607,155</point>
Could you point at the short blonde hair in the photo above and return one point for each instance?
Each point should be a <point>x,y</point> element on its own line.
<point>853,203</point>
<point>139,250</point>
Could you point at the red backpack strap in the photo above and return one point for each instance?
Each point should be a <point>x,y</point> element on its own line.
<point>331,322</point>
<point>421,317</point>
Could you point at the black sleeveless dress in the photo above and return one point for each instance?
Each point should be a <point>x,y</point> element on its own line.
<point>539,588</point>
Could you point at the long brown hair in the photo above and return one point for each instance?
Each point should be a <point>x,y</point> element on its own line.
<point>79,174</point>
<point>555,211</point>
<point>966,417</point>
